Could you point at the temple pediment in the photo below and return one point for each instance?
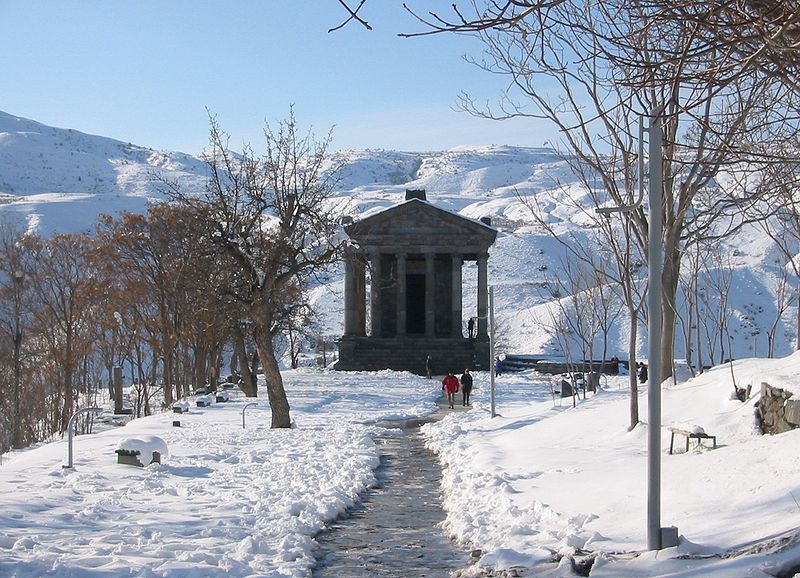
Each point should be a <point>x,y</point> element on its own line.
<point>418,223</point>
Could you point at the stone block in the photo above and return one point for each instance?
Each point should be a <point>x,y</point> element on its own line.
<point>792,412</point>
<point>132,458</point>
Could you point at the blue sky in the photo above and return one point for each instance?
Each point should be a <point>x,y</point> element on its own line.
<point>145,71</point>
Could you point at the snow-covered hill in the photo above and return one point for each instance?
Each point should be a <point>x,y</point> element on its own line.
<point>59,180</point>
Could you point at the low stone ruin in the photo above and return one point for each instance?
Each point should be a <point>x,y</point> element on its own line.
<point>776,411</point>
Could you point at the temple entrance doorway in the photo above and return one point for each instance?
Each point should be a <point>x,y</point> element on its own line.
<point>415,303</point>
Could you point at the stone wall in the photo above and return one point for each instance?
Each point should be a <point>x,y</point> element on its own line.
<point>776,411</point>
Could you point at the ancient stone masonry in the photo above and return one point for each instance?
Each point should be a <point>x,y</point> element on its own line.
<point>776,411</point>
<point>408,260</point>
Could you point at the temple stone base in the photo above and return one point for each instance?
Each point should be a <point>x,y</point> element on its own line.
<point>409,354</point>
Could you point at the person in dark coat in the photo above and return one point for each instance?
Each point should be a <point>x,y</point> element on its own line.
<point>471,327</point>
<point>643,374</point>
<point>466,386</point>
<point>450,386</point>
<point>498,366</point>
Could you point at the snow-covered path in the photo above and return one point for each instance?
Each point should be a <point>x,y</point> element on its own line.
<point>395,531</point>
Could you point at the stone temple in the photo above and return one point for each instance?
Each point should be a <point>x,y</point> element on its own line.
<point>412,254</point>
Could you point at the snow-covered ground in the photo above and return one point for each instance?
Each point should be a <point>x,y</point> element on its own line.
<point>227,500</point>
<point>542,478</point>
<point>546,478</point>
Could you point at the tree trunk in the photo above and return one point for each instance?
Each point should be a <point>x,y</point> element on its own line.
<point>670,277</point>
<point>249,385</point>
<point>275,391</point>
<point>168,378</point>
<point>632,377</point>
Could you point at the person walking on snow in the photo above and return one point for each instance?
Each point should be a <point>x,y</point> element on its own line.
<point>450,386</point>
<point>466,386</point>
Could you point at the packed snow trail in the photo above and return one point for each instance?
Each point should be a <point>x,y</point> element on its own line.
<point>394,531</point>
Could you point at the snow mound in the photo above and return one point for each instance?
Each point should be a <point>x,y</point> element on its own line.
<point>143,445</point>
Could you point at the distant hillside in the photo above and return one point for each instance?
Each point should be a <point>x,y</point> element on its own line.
<point>59,180</point>
<point>56,179</point>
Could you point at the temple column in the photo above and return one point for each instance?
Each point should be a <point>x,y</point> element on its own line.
<point>430,295</point>
<point>483,295</point>
<point>458,261</point>
<point>401,295</point>
<point>349,296</point>
<point>360,290</point>
<point>375,294</point>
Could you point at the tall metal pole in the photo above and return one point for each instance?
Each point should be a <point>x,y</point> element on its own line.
<point>491,345</point>
<point>656,537</point>
<point>654,256</point>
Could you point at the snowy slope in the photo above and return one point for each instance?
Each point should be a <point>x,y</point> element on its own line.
<point>58,180</point>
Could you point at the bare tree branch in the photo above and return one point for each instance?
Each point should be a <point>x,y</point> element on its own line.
<point>353,16</point>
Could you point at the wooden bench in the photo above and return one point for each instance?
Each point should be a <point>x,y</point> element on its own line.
<point>699,436</point>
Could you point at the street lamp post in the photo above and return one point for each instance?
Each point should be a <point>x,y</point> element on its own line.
<point>657,537</point>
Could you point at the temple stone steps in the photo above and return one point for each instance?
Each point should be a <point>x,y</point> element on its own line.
<point>367,354</point>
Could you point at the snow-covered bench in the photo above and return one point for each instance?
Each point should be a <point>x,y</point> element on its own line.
<point>130,450</point>
<point>205,400</point>
<point>223,396</point>
<point>689,432</point>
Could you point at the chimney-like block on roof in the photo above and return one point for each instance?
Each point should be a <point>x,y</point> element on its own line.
<point>415,194</point>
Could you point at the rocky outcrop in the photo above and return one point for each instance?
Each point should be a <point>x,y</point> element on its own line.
<point>776,411</point>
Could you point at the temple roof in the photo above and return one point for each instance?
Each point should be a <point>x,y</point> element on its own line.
<point>417,226</point>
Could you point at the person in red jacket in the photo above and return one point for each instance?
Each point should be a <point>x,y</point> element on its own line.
<point>450,387</point>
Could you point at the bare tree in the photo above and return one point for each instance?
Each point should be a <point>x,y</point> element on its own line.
<point>151,258</point>
<point>784,230</point>
<point>691,320</point>
<point>270,222</point>
<point>15,324</point>
<point>577,78</point>
<point>783,297</point>
<point>64,287</point>
<point>716,281</point>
